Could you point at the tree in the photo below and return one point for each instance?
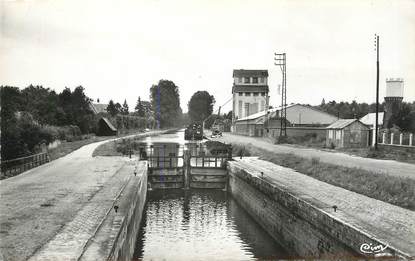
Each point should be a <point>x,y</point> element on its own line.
<point>200,105</point>
<point>42,103</point>
<point>79,110</point>
<point>111,109</point>
<point>139,108</point>
<point>124,109</point>
<point>165,101</point>
<point>118,107</point>
<point>228,115</point>
<point>11,102</point>
<point>404,118</point>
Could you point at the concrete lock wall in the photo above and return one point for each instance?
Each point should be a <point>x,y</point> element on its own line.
<point>124,245</point>
<point>116,237</point>
<point>303,224</point>
<point>277,212</point>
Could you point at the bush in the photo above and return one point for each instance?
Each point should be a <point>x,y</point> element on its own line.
<point>315,161</point>
<point>240,151</point>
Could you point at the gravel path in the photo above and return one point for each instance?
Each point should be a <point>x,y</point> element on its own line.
<point>389,167</point>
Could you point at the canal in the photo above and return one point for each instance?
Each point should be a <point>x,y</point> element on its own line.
<point>199,224</point>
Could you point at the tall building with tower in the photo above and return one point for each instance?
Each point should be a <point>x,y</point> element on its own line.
<point>250,92</point>
<point>393,99</point>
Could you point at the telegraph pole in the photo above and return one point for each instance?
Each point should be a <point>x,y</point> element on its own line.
<point>281,61</point>
<point>377,89</point>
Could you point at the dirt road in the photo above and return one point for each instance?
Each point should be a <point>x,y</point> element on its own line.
<point>389,167</point>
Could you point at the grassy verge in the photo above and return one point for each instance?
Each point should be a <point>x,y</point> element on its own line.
<point>122,147</point>
<point>67,147</point>
<point>107,149</point>
<point>394,190</point>
<point>399,154</point>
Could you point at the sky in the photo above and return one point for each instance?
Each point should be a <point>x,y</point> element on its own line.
<point>119,49</point>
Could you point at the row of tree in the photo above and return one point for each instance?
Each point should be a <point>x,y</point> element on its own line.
<point>48,107</point>
<point>36,115</point>
<point>116,108</point>
<point>404,117</point>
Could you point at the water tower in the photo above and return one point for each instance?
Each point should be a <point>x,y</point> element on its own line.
<point>393,99</point>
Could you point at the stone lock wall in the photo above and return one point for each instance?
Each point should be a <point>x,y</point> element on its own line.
<point>279,217</point>
<point>305,221</point>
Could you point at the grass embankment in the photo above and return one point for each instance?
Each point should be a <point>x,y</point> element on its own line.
<point>123,147</point>
<point>67,147</point>
<point>394,190</point>
<point>389,153</point>
<point>107,149</point>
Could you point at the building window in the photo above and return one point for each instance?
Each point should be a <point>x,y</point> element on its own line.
<point>261,79</point>
<point>246,109</point>
<point>240,93</point>
<point>247,94</point>
<point>256,93</point>
<point>255,80</point>
<point>246,80</point>
<point>262,93</point>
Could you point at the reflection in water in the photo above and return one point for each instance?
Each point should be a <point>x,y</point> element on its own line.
<point>200,225</point>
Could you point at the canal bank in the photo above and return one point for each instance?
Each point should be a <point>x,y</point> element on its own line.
<point>37,205</point>
<point>315,219</point>
<point>102,203</point>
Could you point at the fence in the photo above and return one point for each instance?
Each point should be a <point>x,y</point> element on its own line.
<point>396,139</point>
<point>19,165</point>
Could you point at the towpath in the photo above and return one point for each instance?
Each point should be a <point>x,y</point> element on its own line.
<point>389,167</point>
<point>39,203</point>
<point>390,225</point>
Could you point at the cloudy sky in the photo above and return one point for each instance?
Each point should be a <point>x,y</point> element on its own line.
<point>118,49</point>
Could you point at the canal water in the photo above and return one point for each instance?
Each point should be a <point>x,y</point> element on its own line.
<point>199,224</point>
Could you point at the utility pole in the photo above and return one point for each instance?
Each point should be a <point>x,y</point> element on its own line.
<point>281,61</point>
<point>377,89</point>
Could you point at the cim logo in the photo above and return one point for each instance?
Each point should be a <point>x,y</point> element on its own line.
<point>372,249</point>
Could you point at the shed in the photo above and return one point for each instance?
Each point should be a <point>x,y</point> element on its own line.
<point>347,133</point>
<point>105,128</point>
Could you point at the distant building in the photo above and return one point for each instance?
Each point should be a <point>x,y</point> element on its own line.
<point>98,107</point>
<point>301,119</point>
<point>250,92</point>
<point>370,119</point>
<point>347,133</point>
<point>393,99</point>
<point>105,128</point>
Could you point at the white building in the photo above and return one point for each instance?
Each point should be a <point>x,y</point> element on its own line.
<point>250,92</point>
<point>370,119</point>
